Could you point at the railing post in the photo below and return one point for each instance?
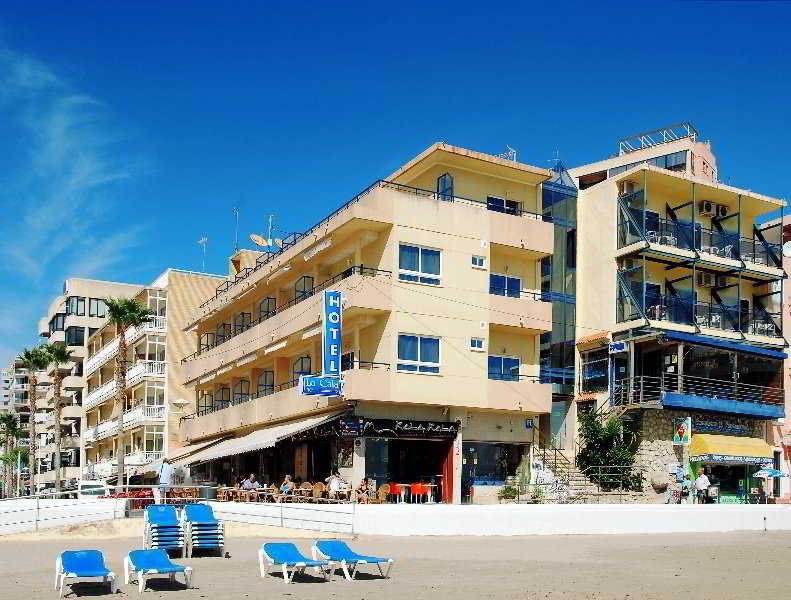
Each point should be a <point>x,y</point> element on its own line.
<point>37,512</point>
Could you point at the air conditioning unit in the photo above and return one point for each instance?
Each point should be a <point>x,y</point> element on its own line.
<point>721,281</point>
<point>707,208</point>
<point>705,280</point>
<point>722,211</point>
<point>626,188</point>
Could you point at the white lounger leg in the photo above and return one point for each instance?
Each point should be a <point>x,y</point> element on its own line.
<point>188,575</point>
<point>58,570</point>
<point>127,568</point>
<point>286,578</point>
<point>62,582</point>
<point>385,574</point>
<point>261,563</point>
<point>141,581</point>
<point>113,584</point>
<point>345,568</point>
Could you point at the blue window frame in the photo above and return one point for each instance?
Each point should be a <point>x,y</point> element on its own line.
<point>503,285</point>
<point>301,367</point>
<point>418,353</point>
<point>418,264</point>
<point>445,187</point>
<point>504,368</point>
<point>502,205</point>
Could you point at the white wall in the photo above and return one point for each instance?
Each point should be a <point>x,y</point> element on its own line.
<point>17,516</point>
<point>337,518</point>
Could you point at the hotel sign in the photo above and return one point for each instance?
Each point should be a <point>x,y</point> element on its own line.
<point>331,334</point>
<point>318,385</point>
<point>395,428</point>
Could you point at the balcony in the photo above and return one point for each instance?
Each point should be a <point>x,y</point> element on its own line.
<point>286,321</point>
<point>156,325</point>
<point>688,392</point>
<point>137,459</point>
<point>524,309</point>
<point>134,375</point>
<point>387,202</point>
<point>140,415</point>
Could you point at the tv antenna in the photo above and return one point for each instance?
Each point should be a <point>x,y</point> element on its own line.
<point>555,159</point>
<point>267,242</point>
<point>235,212</point>
<point>202,242</point>
<point>509,154</point>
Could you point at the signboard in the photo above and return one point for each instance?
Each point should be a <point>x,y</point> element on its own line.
<point>405,428</point>
<point>616,347</point>
<point>715,425</point>
<point>318,385</point>
<point>331,334</point>
<point>727,458</point>
<point>682,428</point>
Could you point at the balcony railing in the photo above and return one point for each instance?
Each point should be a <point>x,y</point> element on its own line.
<point>649,390</point>
<point>292,239</point>
<point>99,394</point>
<point>155,324</point>
<point>136,373</point>
<point>217,340</point>
<point>711,315</point>
<point>142,414</point>
<point>495,290</point>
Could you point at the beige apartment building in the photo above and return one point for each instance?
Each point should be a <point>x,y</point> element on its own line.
<point>439,267</point>
<point>71,319</point>
<point>156,397</point>
<point>680,310</point>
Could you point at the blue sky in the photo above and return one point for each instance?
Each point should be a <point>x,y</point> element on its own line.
<point>129,130</point>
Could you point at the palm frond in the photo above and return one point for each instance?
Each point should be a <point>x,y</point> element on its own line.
<point>127,312</point>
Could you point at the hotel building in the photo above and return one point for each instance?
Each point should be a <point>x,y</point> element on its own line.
<point>71,319</point>
<point>441,267</point>
<point>680,286</point>
<point>156,397</point>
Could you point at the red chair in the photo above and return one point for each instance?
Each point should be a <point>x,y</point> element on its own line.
<point>395,490</point>
<point>418,490</point>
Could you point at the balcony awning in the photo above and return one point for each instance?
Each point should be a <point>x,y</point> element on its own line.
<point>705,340</point>
<point>730,449</point>
<point>257,440</point>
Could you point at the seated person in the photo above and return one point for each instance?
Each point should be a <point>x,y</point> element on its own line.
<point>361,493</point>
<point>287,486</point>
<point>335,485</point>
<point>250,483</point>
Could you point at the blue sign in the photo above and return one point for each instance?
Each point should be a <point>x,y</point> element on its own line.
<point>332,334</point>
<point>319,385</point>
<point>617,347</point>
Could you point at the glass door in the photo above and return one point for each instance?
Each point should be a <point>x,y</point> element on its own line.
<point>558,423</point>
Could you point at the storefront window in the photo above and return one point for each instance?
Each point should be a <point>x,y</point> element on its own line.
<point>594,370</point>
<point>760,370</point>
<point>488,463</point>
<point>710,363</point>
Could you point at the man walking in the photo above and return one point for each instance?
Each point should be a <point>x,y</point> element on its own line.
<point>702,484</point>
<point>165,479</point>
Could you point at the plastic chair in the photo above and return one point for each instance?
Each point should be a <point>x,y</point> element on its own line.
<point>73,564</point>
<point>395,490</point>
<point>202,529</point>
<point>286,555</point>
<point>339,552</point>
<point>318,491</point>
<point>153,562</point>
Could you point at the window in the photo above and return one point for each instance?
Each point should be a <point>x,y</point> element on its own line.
<point>266,308</point>
<point>595,366</point>
<point>205,342</point>
<point>266,383</point>
<point>419,264</point>
<point>152,349</point>
<point>301,367</point>
<point>241,391</point>
<point>157,302</point>
<point>97,307</point>
<point>222,398</point>
<point>571,249</point>
<point>347,361</point>
<point>476,344</point>
<point>155,393</point>
<point>504,368</point>
<point>479,262</point>
<point>503,285</point>
<point>75,336</point>
<point>445,187</point>
<point>303,287</point>
<point>223,333</point>
<point>92,330</point>
<point>56,323</point>
<point>241,322</point>
<point>502,205</point>
<point>418,353</point>
<point>205,403</point>
<point>75,305</point>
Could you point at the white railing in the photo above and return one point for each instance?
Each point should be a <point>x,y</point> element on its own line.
<point>153,325</point>
<point>140,414</point>
<point>99,394</point>
<point>89,435</point>
<point>145,368</point>
<point>142,458</point>
<point>106,429</point>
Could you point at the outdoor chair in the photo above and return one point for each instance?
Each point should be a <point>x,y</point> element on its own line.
<point>78,564</point>
<point>202,529</point>
<point>318,491</point>
<point>286,556</point>
<point>418,490</point>
<point>339,552</point>
<point>395,491</point>
<point>153,562</point>
<point>383,493</point>
<point>162,527</point>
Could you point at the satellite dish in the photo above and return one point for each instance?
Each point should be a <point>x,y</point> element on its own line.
<point>258,240</point>
<point>278,242</point>
<point>787,249</point>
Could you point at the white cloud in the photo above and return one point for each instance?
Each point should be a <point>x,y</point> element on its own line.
<point>63,195</point>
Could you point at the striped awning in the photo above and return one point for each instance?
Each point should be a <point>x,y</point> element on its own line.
<point>731,449</point>
<point>600,338</point>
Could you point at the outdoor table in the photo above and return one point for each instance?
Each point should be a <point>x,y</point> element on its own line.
<point>403,487</point>
<point>431,492</point>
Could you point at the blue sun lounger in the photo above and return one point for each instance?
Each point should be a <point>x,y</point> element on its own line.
<point>153,562</point>
<point>77,564</point>
<point>287,556</point>
<point>163,528</point>
<point>202,529</point>
<point>339,552</point>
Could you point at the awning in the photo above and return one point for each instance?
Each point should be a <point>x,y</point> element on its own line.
<point>732,449</point>
<point>720,343</point>
<point>152,468</point>
<point>261,438</point>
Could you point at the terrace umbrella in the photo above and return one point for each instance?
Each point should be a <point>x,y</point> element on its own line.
<point>767,473</point>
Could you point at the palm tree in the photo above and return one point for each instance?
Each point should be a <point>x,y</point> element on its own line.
<point>123,313</point>
<point>33,360</point>
<point>9,432</point>
<point>20,455</point>
<point>58,355</point>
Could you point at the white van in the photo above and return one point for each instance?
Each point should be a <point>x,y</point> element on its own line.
<point>88,488</point>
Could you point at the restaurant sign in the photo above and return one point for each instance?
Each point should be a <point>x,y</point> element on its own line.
<point>318,385</point>
<point>727,458</point>
<point>395,428</point>
<point>714,425</point>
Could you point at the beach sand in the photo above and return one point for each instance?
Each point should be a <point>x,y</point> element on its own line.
<point>702,566</point>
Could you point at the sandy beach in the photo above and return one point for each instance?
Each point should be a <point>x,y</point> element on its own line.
<point>715,566</point>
